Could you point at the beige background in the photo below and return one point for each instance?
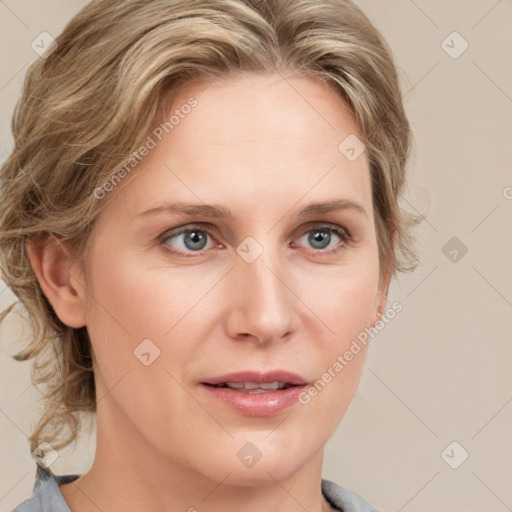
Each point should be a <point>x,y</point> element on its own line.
<point>439,372</point>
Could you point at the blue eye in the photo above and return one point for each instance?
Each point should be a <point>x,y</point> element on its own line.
<point>320,237</point>
<point>193,240</point>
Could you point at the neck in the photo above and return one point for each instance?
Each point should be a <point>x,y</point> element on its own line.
<point>129,474</point>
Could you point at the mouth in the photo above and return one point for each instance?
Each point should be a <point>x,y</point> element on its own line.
<point>256,394</point>
<point>253,387</point>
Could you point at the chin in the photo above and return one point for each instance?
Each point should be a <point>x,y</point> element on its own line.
<point>262,474</point>
<point>259,462</point>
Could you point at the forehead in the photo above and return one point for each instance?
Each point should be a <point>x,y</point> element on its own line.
<point>278,109</point>
<point>252,136</point>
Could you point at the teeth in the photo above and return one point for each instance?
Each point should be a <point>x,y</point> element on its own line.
<point>270,385</point>
<point>236,385</point>
<point>254,387</point>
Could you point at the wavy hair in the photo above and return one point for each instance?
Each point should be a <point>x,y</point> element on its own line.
<point>90,104</point>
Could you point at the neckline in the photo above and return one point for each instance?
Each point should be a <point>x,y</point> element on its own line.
<point>45,475</point>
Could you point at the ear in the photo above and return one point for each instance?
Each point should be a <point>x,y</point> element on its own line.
<point>59,277</point>
<point>384,282</point>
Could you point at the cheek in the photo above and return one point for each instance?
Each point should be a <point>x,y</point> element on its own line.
<point>344,298</point>
<point>141,298</point>
<point>127,307</point>
<point>129,302</point>
<point>345,302</point>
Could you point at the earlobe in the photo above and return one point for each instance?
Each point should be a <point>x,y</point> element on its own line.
<point>385,280</point>
<point>382,299</point>
<point>58,278</point>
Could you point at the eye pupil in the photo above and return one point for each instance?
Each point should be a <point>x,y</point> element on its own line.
<point>197,238</point>
<point>323,237</point>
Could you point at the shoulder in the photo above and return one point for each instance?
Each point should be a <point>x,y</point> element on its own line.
<point>46,496</point>
<point>345,499</point>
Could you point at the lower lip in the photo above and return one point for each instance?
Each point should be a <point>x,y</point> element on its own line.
<point>257,404</point>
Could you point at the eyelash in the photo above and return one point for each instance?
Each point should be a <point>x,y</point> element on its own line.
<point>344,234</point>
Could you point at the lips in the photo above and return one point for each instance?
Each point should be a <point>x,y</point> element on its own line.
<point>254,387</point>
<point>256,394</point>
<point>256,379</point>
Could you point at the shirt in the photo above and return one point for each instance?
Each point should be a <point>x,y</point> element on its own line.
<point>48,498</point>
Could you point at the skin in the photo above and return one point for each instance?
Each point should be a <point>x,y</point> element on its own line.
<point>265,147</point>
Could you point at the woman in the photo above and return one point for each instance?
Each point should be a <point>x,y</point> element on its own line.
<point>201,217</point>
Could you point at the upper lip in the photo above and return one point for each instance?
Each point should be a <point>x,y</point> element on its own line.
<point>258,378</point>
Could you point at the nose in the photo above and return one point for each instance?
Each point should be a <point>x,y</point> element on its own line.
<point>262,306</point>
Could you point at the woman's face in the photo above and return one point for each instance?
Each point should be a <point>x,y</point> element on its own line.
<point>211,266</point>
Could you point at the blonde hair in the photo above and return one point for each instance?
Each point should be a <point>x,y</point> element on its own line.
<point>92,101</point>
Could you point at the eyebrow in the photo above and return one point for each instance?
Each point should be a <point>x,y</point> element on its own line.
<point>222,212</point>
